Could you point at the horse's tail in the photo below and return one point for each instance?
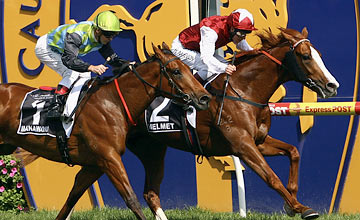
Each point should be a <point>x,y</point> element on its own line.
<point>25,156</point>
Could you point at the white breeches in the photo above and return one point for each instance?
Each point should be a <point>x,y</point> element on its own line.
<point>53,60</point>
<point>193,60</point>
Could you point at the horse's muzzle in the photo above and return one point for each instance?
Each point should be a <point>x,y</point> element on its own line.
<point>204,100</point>
<point>203,103</point>
<point>331,89</point>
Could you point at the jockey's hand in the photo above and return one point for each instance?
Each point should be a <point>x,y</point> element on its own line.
<point>99,69</point>
<point>230,69</point>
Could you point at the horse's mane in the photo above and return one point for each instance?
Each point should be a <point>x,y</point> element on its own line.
<point>268,41</point>
<point>152,57</point>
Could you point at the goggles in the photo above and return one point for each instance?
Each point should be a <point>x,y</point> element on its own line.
<point>109,34</point>
<point>241,33</point>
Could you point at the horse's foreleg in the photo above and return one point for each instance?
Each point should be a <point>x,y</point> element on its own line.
<point>83,180</point>
<point>274,147</point>
<point>250,154</point>
<point>152,155</point>
<point>114,168</point>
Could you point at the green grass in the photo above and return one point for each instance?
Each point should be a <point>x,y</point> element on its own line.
<point>175,214</point>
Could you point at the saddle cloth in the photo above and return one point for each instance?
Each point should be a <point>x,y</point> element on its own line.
<point>34,110</point>
<point>164,116</point>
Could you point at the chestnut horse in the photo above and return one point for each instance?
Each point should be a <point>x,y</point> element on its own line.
<point>243,131</point>
<point>98,138</point>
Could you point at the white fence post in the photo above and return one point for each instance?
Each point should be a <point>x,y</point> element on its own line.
<point>240,185</point>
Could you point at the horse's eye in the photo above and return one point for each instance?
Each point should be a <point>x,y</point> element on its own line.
<point>306,57</point>
<point>177,72</point>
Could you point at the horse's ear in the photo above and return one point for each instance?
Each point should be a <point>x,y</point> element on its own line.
<point>157,52</point>
<point>288,37</point>
<point>165,46</point>
<point>304,32</point>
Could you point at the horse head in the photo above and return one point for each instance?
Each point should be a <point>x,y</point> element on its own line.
<point>180,78</point>
<point>304,62</point>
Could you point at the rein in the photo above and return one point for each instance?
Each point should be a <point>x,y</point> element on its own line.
<point>164,72</point>
<point>218,93</point>
<point>241,99</point>
<point>289,63</point>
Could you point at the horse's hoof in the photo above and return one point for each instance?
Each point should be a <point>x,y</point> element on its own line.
<point>310,214</point>
<point>288,210</point>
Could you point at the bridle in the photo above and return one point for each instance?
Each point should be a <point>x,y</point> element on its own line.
<point>290,65</point>
<point>163,72</point>
<point>179,94</point>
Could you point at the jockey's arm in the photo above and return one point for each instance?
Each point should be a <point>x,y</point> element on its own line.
<point>207,51</point>
<point>71,51</point>
<point>115,61</point>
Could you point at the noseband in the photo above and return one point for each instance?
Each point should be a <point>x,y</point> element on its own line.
<point>291,66</point>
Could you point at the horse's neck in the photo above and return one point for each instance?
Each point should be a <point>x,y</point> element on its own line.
<point>260,77</point>
<point>137,94</point>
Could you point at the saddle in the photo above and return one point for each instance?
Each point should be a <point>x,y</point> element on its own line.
<point>33,116</point>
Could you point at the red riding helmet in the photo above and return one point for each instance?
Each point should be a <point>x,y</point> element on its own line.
<point>241,19</point>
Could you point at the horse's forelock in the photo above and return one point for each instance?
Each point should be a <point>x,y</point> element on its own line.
<point>296,34</point>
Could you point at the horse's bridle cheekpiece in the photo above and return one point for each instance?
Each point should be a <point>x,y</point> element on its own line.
<point>163,70</point>
<point>291,65</point>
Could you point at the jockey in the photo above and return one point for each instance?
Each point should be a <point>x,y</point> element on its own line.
<point>60,50</point>
<point>196,45</point>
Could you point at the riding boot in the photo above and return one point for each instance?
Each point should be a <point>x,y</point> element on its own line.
<point>54,108</point>
<point>57,103</point>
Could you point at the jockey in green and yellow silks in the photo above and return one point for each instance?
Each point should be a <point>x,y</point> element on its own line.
<point>85,31</point>
<point>62,48</point>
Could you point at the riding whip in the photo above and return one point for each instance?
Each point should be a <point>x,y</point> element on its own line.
<point>69,118</point>
<point>226,84</point>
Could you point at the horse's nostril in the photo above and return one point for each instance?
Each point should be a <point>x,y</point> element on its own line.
<point>331,86</point>
<point>204,99</point>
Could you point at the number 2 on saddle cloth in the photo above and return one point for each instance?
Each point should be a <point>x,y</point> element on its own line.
<point>163,115</point>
